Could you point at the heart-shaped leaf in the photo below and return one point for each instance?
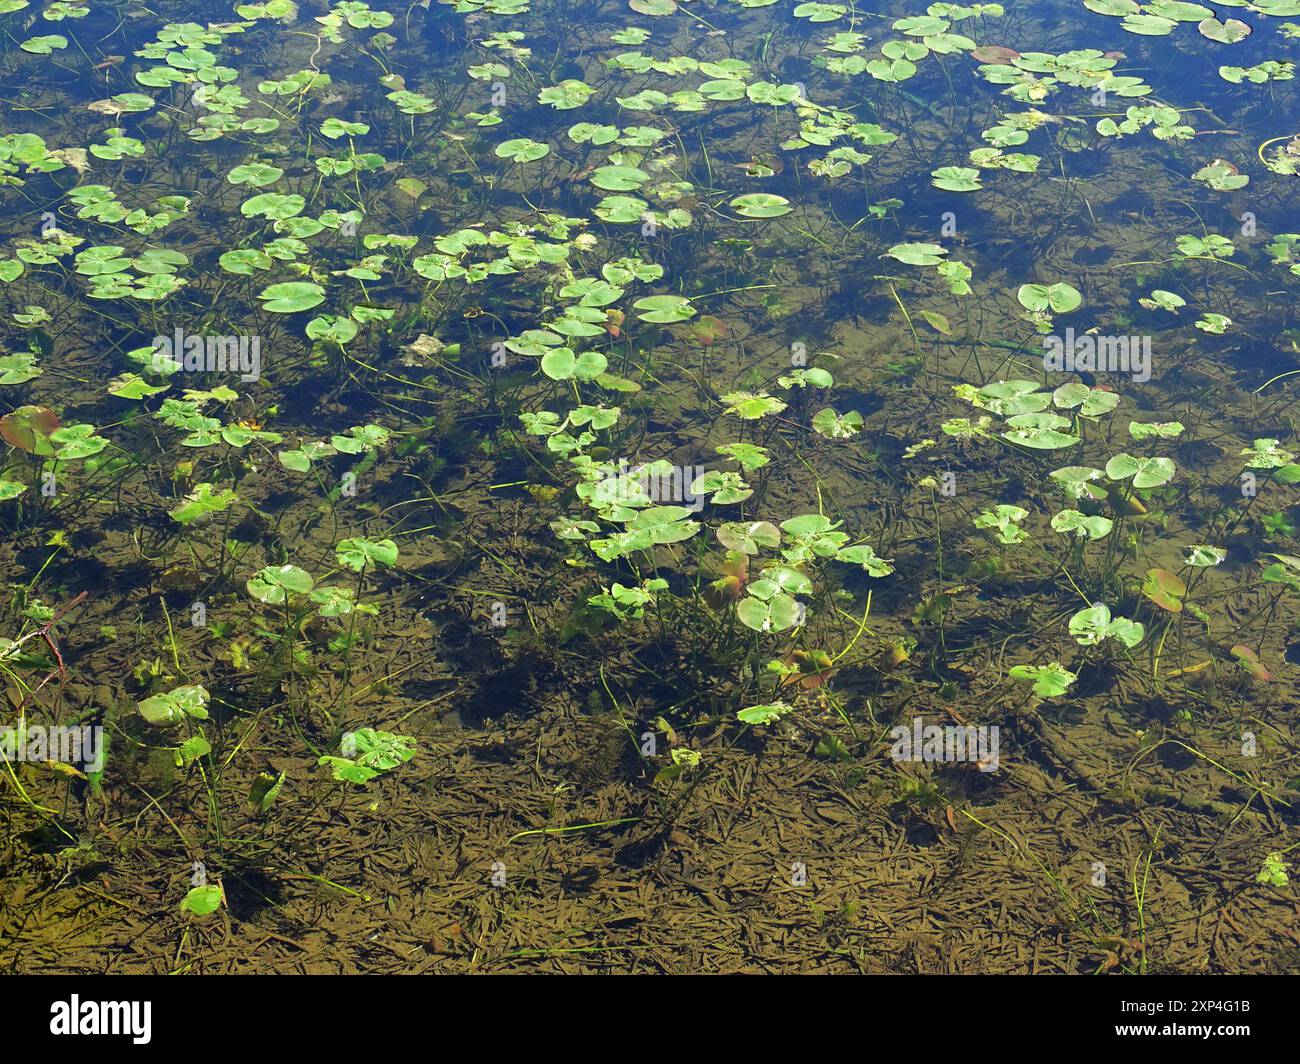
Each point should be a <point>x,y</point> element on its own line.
<point>1165,589</point>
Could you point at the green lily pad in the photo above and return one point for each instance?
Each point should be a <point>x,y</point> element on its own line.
<point>956,178</point>
<point>521,150</point>
<point>761,205</point>
<point>1059,298</point>
<point>202,901</point>
<point>918,254</point>
<point>664,309</point>
<point>1230,31</point>
<point>764,714</point>
<point>202,502</point>
<point>1050,681</point>
<point>275,583</point>
<point>291,297</point>
<point>368,753</point>
<point>44,45</point>
<point>18,369</point>
<point>180,703</point>
<point>1146,472</point>
<point>356,554</point>
<point>619,178</point>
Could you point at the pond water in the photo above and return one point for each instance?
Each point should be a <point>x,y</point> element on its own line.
<point>649,486</point>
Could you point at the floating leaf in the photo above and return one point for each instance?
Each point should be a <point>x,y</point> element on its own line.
<point>1082,525</point>
<point>290,297</point>
<point>1149,25</point>
<point>133,386</point>
<point>1165,589</point>
<point>521,150</point>
<point>1203,556</point>
<point>274,584</point>
<point>664,308</point>
<point>333,601</point>
<point>1146,472</point>
<point>772,614</point>
<point>202,901</point>
<point>836,426</point>
<point>203,501</point>
<point>1075,481</point>
<point>1040,431</point>
<point>1050,681</point>
<point>1059,298</point>
<point>751,406</point>
<point>1091,402</point>
<point>999,55</point>
<point>1090,626</point>
<point>918,254</point>
<point>566,95</point>
<point>18,369</point>
<point>709,330</point>
<point>44,45</point>
<point>1162,300</point>
<point>1249,661</point>
<point>749,537</point>
<point>765,714</point>
<point>1230,31</point>
<point>180,703</point>
<point>356,554</point>
<point>1163,429</point>
<point>255,174</point>
<point>956,178</point>
<point>369,752</point>
<point>29,429</point>
<point>761,205</point>
<point>820,12</point>
<point>866,557</point>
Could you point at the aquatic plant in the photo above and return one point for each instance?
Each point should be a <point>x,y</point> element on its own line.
<point>694,368</point>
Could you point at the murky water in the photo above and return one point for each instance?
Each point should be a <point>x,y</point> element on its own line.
<point>668,487</point>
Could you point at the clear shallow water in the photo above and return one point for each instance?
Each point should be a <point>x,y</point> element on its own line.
<point>336,347</point>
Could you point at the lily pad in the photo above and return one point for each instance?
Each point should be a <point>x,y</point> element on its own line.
<point>1165,589</point>
<point>1050,681</point>
<point>291,297</point>
<point>521,150</point>
<point>1230,31</point>
<point>1059,298</point>
<point>956,178</point>
<point>1146,472</point>
<point>664,309</point>
<point>275,583</point>
<point>761,205</point>
<point>29,429</point>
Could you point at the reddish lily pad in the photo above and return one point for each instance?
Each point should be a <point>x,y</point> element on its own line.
<point>994,55</point>
<point>709,330</point>
<point>29,427</point>
<point>1164,589</point>
<point>1249,661</point>
<point>733,573</point>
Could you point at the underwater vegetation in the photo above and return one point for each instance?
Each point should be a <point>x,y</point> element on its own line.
<point>665,485</point>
